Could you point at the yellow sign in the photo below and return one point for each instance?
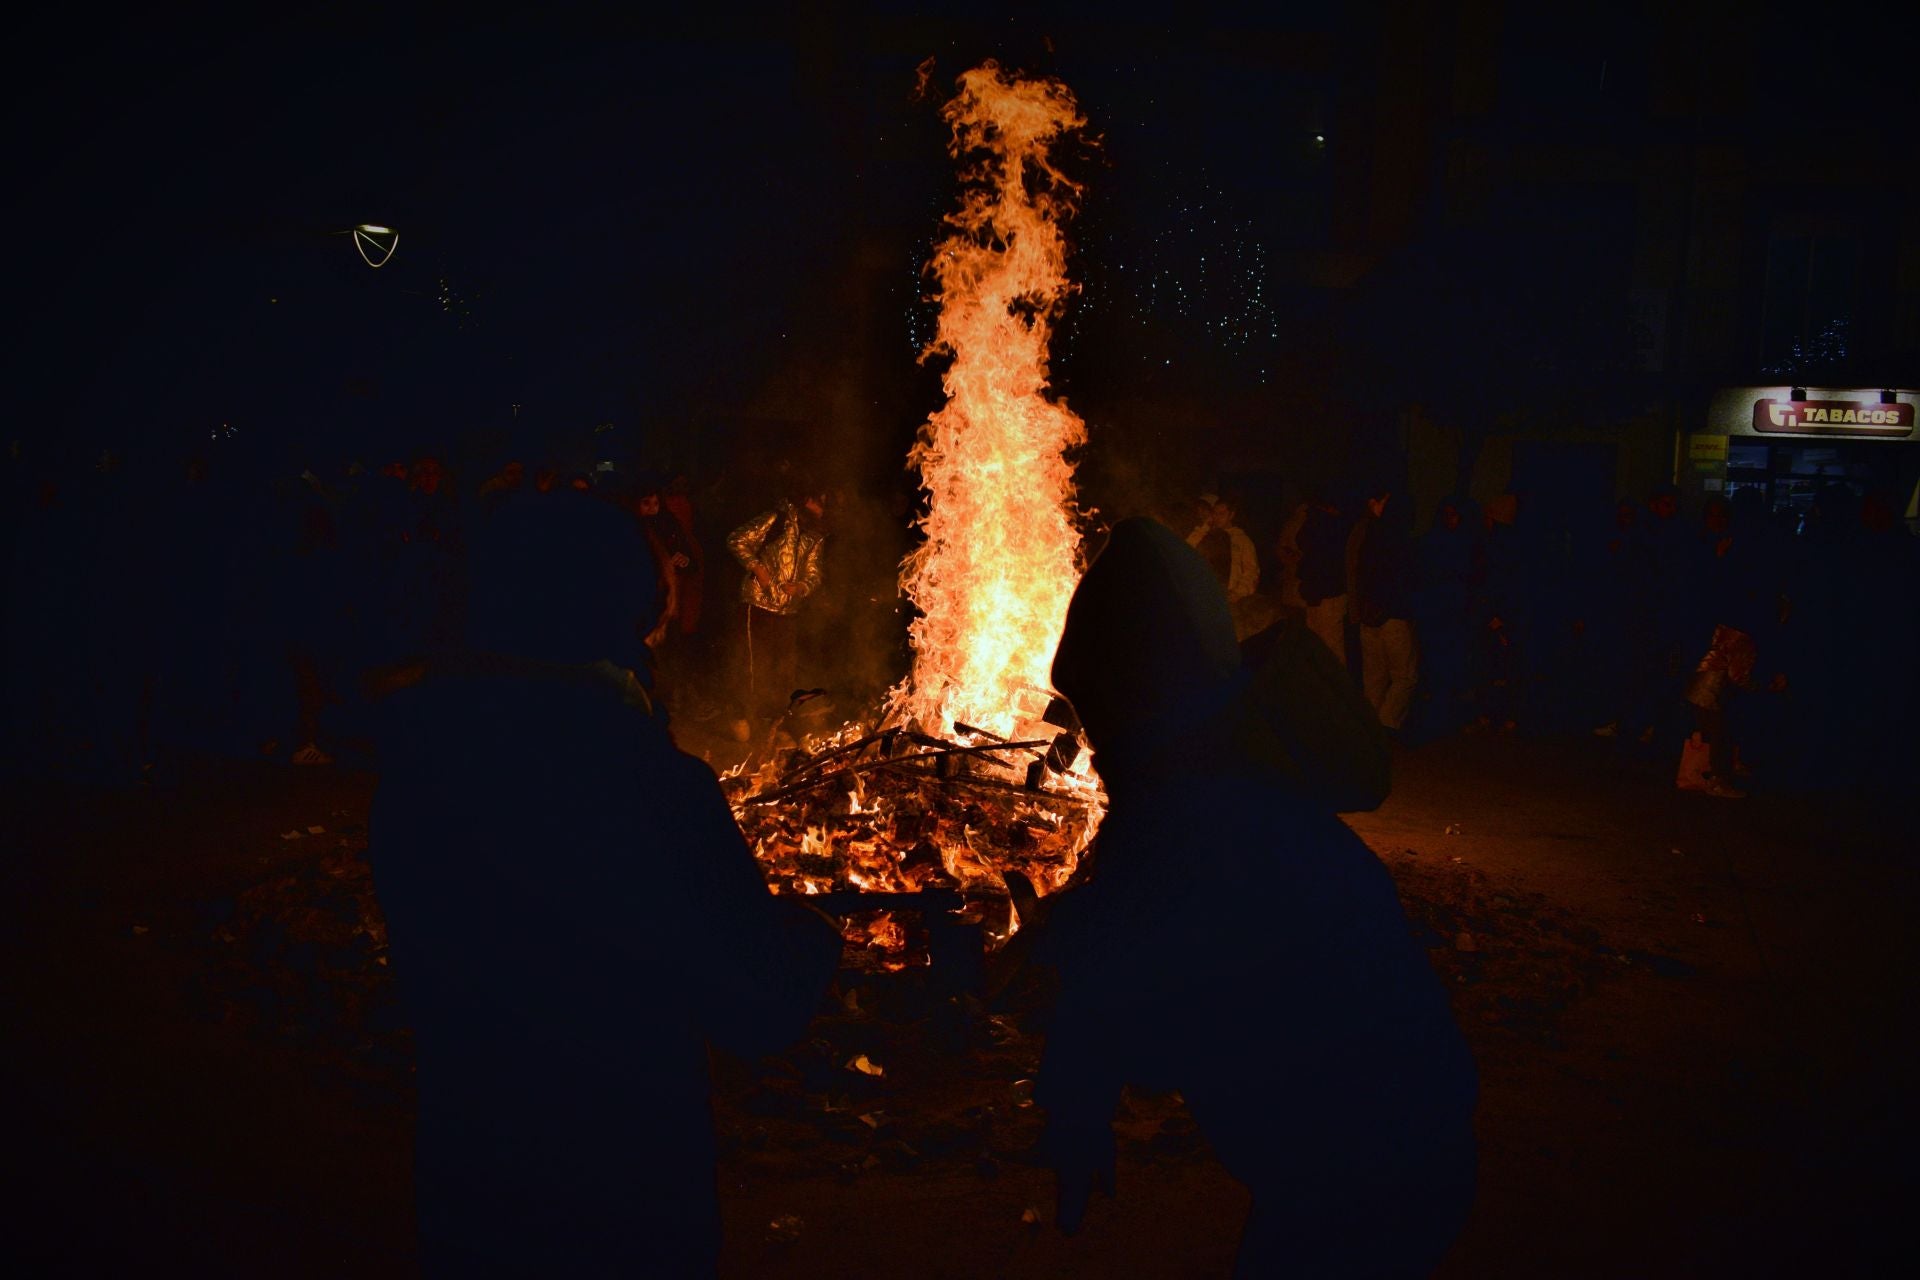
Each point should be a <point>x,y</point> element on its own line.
<point>1705,448</point>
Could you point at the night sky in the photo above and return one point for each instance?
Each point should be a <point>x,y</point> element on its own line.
<point>642,223</point>
<point>607,221</point>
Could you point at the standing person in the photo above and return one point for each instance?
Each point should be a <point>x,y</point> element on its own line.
<point>532,807</point>
<point>1211,541</point>
<point>1383,606</point>
<point>1323,572</point>
<point>1446,559</point>
<point>1741,613</point>
<point>1271,978</point>
<point>1243,562</point>
<point>1709,759</point>
<point>780,550</point>
<point>317,592</point>
<point>1506,615</point>
<point>1286,552</point>
<point>677,501</point>
<point>1240,573</point>
<point>672,555</point>
<point>1614,618</point>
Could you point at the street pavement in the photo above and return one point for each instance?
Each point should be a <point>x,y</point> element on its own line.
<point>1691,1017</point>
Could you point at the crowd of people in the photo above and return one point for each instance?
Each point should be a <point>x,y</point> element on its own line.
<point>508,638</point>
<point>260,603</point>
<point>1743,642</point>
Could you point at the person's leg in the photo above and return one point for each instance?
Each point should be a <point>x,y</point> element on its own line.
<point>1375,677</point>
<point>783,660</point>
<point>770,643</point>
<point>1517,676</point>
<point>1713,727</point>
<point>752,662</point>
<point>1401,656</point>
<point>1328,620</point>
<point>309,694</point>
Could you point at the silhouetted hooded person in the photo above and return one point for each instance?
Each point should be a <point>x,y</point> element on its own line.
<point>1238,943</point>
<point>573,917</point>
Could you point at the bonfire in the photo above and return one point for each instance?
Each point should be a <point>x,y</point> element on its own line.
<point>970,784</point>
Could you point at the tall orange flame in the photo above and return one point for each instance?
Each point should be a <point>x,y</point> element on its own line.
<point>1001,553</point>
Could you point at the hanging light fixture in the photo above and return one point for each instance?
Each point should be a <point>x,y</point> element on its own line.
<point>382,241</point>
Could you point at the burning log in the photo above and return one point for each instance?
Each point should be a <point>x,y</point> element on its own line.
<point>942,754</point>
<point>873,836</point>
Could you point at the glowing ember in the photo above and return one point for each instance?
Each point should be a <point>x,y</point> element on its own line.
<point>1001,553</point>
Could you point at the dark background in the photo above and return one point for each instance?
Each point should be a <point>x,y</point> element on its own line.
<point>643,223</point>
<point>707,232</point>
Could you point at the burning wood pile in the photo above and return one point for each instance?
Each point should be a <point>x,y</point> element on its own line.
<point>904,834</point>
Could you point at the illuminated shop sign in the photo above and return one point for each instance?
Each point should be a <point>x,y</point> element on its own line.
<point>1831,418</point>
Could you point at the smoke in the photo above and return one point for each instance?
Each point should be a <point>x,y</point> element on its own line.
<point>855,630</point>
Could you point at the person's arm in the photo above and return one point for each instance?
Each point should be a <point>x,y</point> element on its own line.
<point>760,963</point>
<point>1243,578</point>
<point>1290,535</point>
<point>808,580</point>
<point>746,541</point>
<point>1079,1089</point>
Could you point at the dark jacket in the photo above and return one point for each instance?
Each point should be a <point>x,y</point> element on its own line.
<point>1237,942</point>
<point>573,917</point>
<point>1323,555</point>
<point>1383,585</point>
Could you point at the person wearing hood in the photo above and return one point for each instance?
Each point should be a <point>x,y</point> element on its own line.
<point>1235,941</point>
<point>573,918</point>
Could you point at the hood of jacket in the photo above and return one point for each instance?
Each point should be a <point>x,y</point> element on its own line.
<point>562,578</point>
<point>1148,651</point>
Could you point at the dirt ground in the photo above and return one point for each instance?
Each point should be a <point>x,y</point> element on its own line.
<point>1691,1017</point>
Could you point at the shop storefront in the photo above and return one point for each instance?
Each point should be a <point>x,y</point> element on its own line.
<point>1790,442</point>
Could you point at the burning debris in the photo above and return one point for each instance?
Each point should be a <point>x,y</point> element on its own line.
<point>886,824</point>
